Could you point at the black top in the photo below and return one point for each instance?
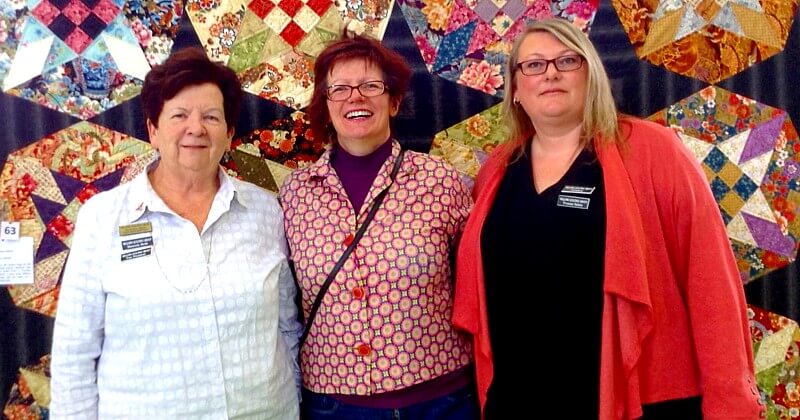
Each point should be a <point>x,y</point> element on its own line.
<point>543,267</point>
<point>543,256</point>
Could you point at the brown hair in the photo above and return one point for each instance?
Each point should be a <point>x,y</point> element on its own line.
<point>396,73</point>
<point>190,67</point>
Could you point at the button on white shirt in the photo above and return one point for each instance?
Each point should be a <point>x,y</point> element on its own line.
<point>202,326</point>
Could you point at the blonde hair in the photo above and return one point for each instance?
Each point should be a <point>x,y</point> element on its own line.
<point>599,113</point>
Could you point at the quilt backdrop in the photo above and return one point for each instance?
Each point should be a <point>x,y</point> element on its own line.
<point>721,73</point>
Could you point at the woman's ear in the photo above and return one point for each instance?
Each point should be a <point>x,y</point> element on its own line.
<point>152,133</point>
<point>394,106</point>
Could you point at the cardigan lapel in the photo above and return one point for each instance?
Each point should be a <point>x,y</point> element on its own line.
<point>627,310</point>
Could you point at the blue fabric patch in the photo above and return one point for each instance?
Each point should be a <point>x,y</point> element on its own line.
<point>453,46</point>
<point>719,188</point>
<point>715,160</point>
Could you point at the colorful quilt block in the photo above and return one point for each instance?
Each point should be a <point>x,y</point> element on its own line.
<point>43,187</point>
<point>776,348</point>
<point>293,33</point>
<point>710,40</point>
<point>266,156</point>
<point>83,57</point>
<point>272,44</point>
<point>30,395</point>
<point>466,145</point>
<point>76,22</point>
<point>247,53</point>
<point>468,41</point>
<point>749,152</point>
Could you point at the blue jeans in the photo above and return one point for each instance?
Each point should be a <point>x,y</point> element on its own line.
<point>460,405</point>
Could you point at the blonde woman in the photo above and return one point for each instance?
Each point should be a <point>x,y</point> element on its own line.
<point>612,222</point>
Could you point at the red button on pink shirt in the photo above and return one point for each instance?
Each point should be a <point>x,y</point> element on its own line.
<point>363,350</point>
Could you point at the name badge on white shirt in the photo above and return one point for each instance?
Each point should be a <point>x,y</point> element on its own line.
<point>136,240</point>
<point>135,229</point>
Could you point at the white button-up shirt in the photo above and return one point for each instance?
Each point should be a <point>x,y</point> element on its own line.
<point>178,324</point>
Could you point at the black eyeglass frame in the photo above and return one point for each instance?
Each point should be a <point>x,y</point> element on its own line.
<point>554,61</point>
<point>351,88</point>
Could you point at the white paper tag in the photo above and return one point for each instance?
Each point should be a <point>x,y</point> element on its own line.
<point>9,231</point>
<point>16,261</point>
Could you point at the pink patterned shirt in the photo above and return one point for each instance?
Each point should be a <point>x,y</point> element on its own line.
<point>384,324</point>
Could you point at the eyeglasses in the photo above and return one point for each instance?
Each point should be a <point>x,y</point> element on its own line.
<point>338,93</point>
<point>539,65</point>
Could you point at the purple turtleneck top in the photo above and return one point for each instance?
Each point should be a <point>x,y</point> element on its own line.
<point>358,172</point>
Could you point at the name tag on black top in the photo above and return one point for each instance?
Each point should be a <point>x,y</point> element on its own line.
<point>577,189</point>
<point>573,202</point>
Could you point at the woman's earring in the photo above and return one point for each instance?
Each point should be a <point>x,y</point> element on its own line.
<point>516,101</point>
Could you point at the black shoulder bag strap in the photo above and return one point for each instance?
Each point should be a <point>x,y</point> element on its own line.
<point>359,233</point>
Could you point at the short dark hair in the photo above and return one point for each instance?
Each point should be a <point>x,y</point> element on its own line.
<point>190,67</point>
<point>394,67</point>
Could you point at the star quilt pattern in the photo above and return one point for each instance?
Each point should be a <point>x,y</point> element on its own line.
<point>272,44</point>
<point>44,185</point>
<point>468,41</point>
<point>749,152</point>
<point>709,40</point>
<point>83,57</point>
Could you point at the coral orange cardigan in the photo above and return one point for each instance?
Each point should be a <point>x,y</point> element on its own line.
<point>674,313</point>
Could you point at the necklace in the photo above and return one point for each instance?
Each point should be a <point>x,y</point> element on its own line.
<point>187,272</point>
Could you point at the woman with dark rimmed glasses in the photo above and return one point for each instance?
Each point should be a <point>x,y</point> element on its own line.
<point>380,343</point>
<point>585,214</point>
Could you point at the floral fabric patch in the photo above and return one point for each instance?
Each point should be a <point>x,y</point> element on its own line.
<point>750,153</point>
<point>709,40</point>
<point>467,144</point>
<point>468,41</point>
<point>272,44</point>
<point>776,348</point>
<point>30,395</point>
<point>266,156</point>
<point>83,57</point>
<point>44,185</point>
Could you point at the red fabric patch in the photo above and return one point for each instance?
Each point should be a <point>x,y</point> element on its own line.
<point>106,10</point>
<point>293,34</point>
<point>45,12</point>
<point>319,6</point>
<point>26,185</point>
<point>78,40</point>
<point>61,227</point>
<point>290,6</point>
<point>261,7</point>
<point>86,193</point>
<point>76,12</point>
